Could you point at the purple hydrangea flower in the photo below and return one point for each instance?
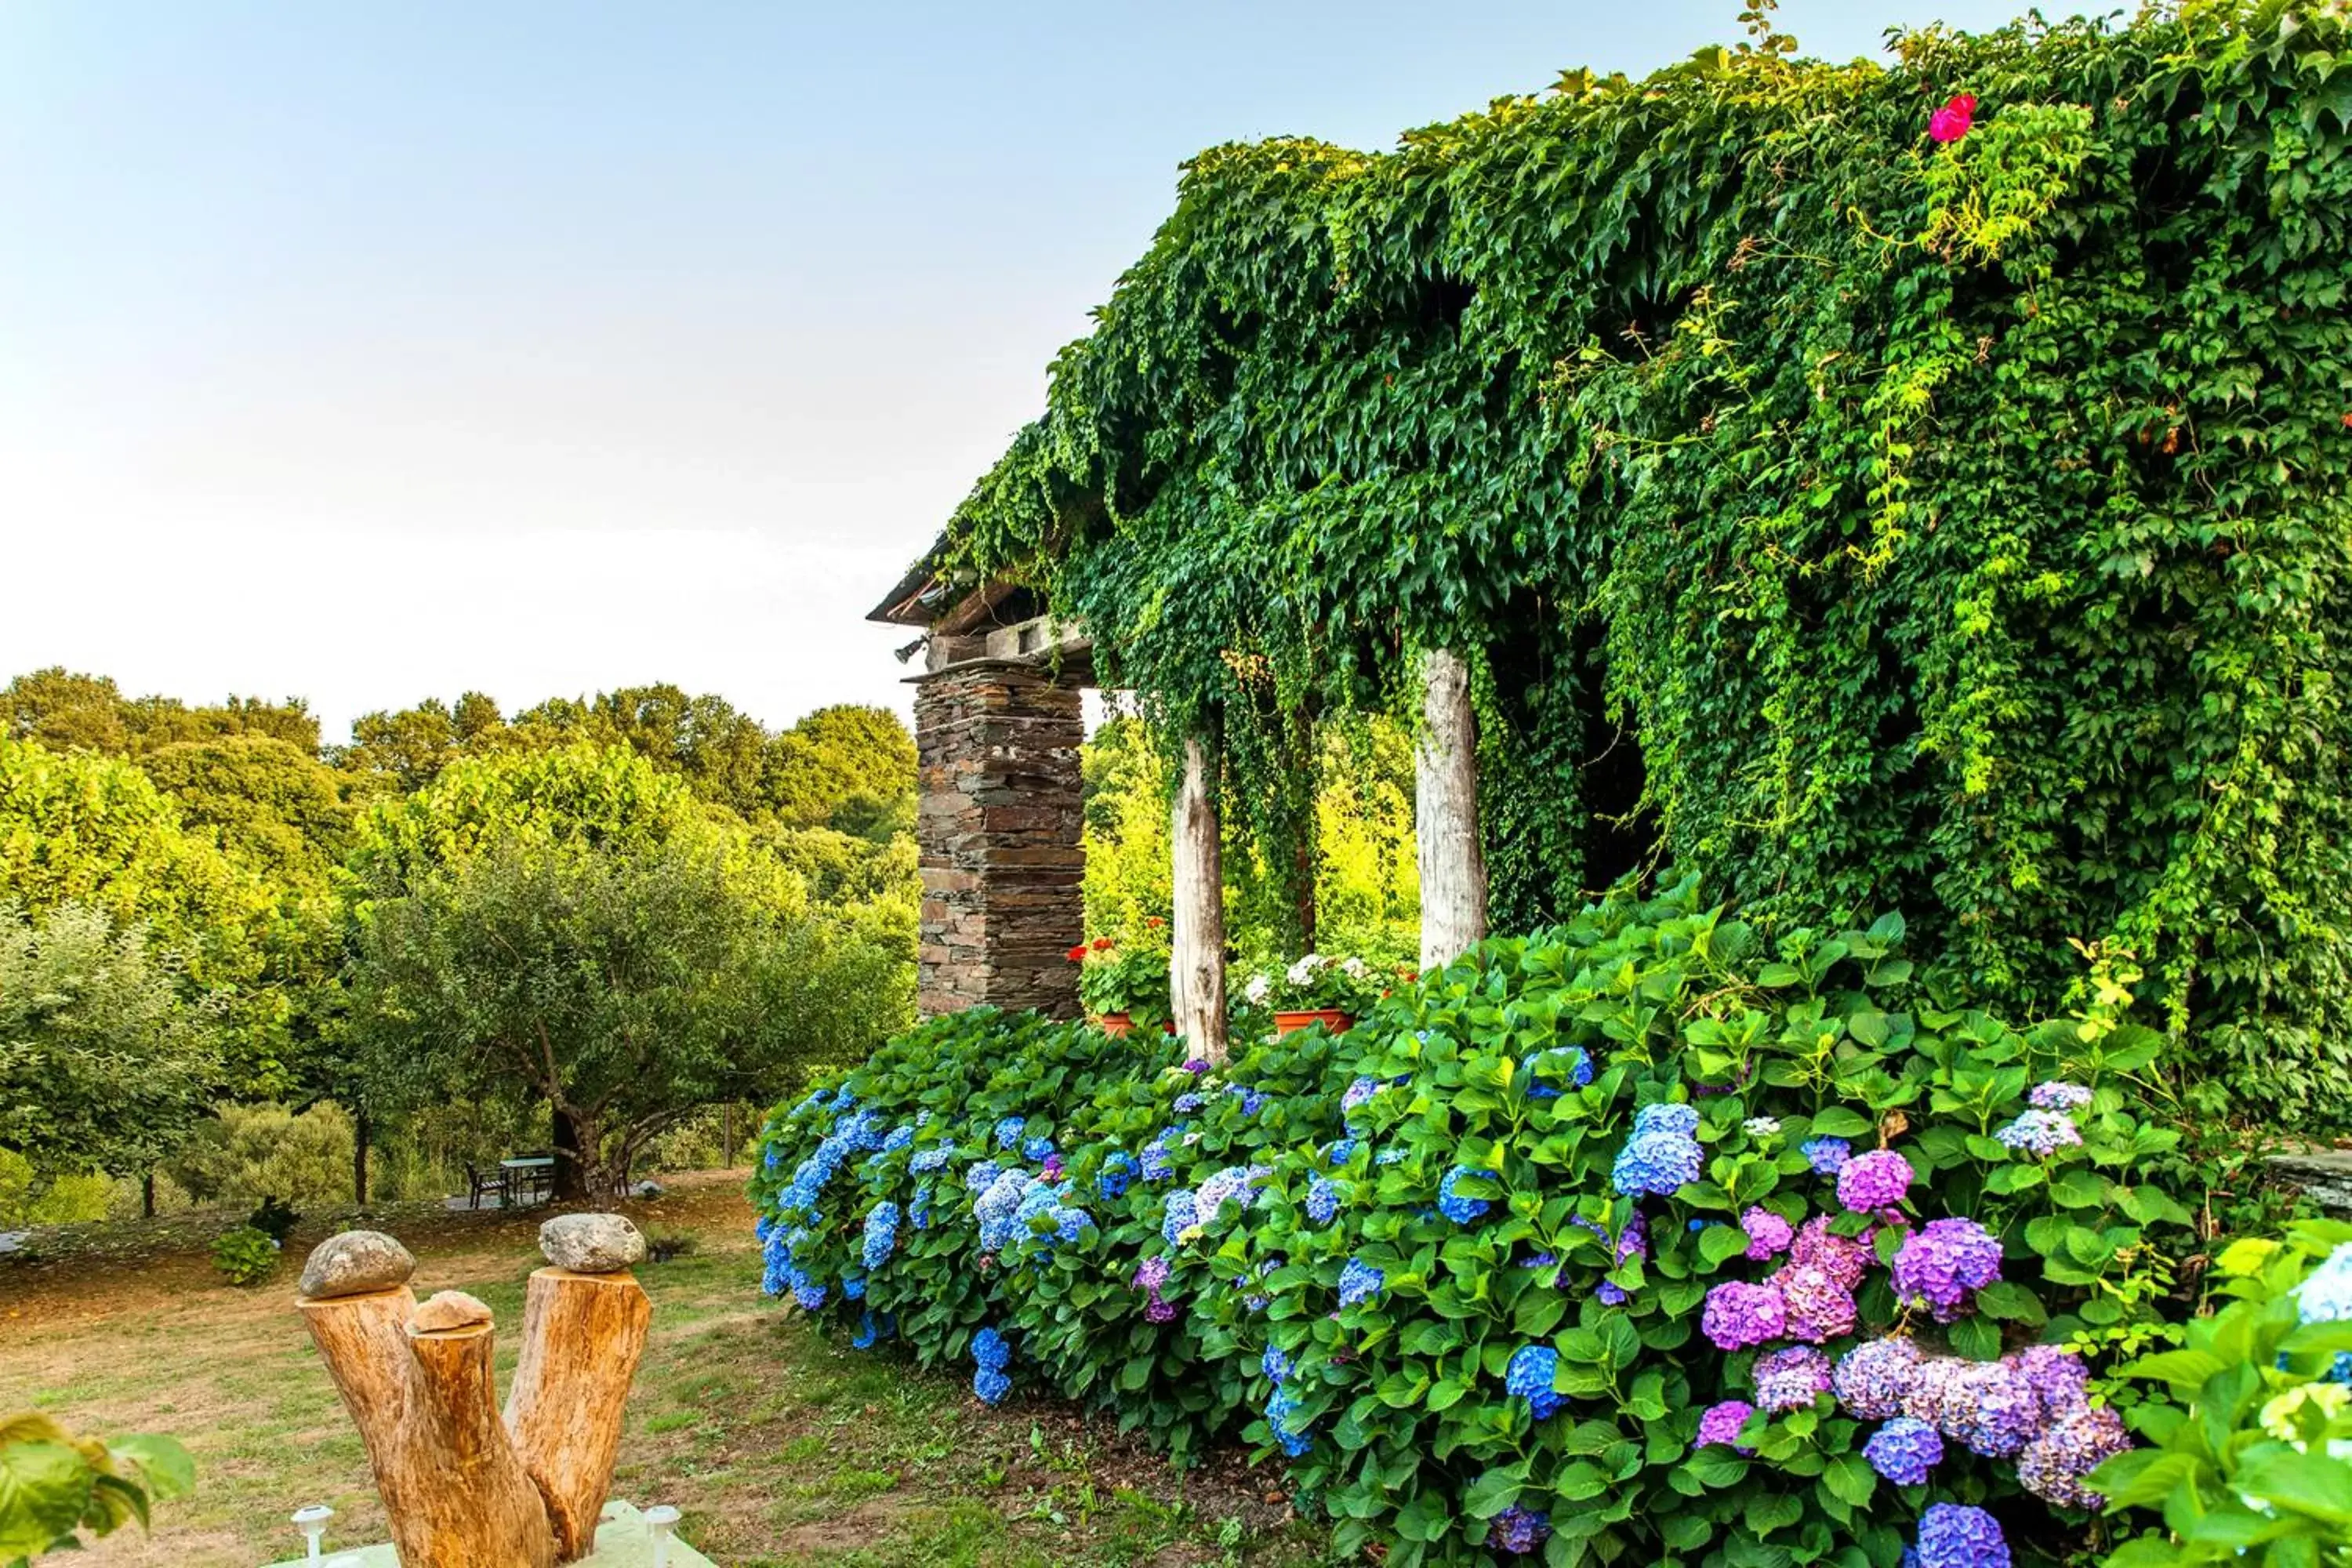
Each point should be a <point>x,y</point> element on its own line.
<point>1360,1281</point>
<point>1359,1092</point>
<point>2059,1376</point>
<point>1991,1408</point>
<point>1905,1450</point>
<point>1519,1531</point>
<point>1160,1310</point>
<point>1769,1235</point>
<point>1826,1155</point>
<point>1929,1386</point>
<point>1739,1315</point>
<point>1791,1378</point>
<point>1197,1066</point>
<point>1529,1376</point>
<point>1721,1424</point>
<point>1954,1535</point>
<point>1871,1377</point>
<point>1874,1182</point>
<point>1819,1309</point>
<point>1150,1274</point>
<point>1660,1161</point>
<point>1944,1263</point>
<point>2058,1095</point>
<point>1844,1258</point>
<point>2053,1465</point>
<point>2039,1134</point>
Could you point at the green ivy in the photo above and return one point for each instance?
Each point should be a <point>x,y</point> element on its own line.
<point>1966,528</point>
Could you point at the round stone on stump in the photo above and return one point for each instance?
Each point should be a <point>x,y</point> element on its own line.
<point>353,1262</point>
<point>449,1310</point>
<point>592,1242</point>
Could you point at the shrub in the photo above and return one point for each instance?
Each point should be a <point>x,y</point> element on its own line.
<point>2255,1465</point>
<point>1490,1268</point>
<point>244,1154</point>
<point>245,1255</point>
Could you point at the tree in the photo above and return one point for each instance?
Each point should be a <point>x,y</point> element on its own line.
<point>834,755</point>
<point>105,1065</point>
<point>69,711</point>
<point>94,830</point>
<point>271,805</point>
<point>409,747</point>
<point>625,987</point>
<point>574,925</point>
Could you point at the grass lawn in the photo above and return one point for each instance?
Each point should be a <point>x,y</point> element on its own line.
<point>780,1446</point>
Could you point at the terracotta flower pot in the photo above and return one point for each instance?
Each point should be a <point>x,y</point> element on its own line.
<point>1331,1018</point>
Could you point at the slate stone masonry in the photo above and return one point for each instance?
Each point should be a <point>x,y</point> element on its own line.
<point>998,823</point>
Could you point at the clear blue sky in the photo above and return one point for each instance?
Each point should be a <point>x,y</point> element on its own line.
<point>373,351</point>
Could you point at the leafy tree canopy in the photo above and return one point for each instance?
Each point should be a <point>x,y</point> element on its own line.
<point>67,712</point>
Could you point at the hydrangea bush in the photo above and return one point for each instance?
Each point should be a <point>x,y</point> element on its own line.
<point>1634,1238</point>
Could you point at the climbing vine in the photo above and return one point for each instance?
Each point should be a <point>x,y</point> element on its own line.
<point>1936,473</point>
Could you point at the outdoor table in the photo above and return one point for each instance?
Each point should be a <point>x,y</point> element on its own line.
<point>518,1173</point>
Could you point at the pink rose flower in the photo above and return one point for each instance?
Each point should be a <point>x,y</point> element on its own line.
<point>1952,121</point>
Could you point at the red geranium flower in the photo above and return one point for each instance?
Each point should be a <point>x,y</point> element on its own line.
<point>1952,121</point>
<point>1153,922</point>
<point>1076,954</point>
<point>1104,944</point>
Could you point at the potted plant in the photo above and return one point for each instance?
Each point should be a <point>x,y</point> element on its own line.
<point>1123,986</point>
<point>1316,989</point>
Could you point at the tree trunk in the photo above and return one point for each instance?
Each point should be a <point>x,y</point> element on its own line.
<point>147,1195</point>
<point>726,1136</point>
<point>571,1177</point>
<point>1196,970</point>
<point>360,1130</point>
<point>1445,813</point>
<point>453,1489</point>
<point>581,1336</point>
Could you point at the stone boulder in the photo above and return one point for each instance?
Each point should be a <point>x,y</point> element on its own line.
<point>592,1242</point>
<point>353,1262</point>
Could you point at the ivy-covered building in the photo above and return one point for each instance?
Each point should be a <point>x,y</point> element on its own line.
<point>1915,486</point>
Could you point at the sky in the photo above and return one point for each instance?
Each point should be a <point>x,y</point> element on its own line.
<point>367,352</point>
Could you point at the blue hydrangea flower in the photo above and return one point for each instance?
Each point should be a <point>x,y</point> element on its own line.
<point>918,1212</point>
<point>1008,1131</point>
<point>2039,1134</point>
<point>991,1384</point>
<point>1953,1535</point>
<point>809,1294</point>
<point>1038,1149</point>
<point>1666,1116</point>
<point>1659,1161</point>
<point>925,1160</point>
<point>1182,1214</point>
<point>1154,1163</point>
<point>2326,1296</point>
<point>1579,1070</point>
<point>1284,1419</point>
<point>1119,1168</point>
<point>1359,1092</point>
<point>1519,1531</point>
<point>1360,1281</point>
<point>1322,1199</point>
<point>1454,1204</point>
<point>899,1137</point>
<point>853,1287</point>
<point>1529,1376</point>
<point>881,1234</point>
<point>1189,1104</point>
<point>1905,1450</point>
<point>868,1332</point>
<point>1826,1155</point>
<point>1275,1364</point>
<point>1338,1153</point>
<point>990,1350</point>
<point>1252,1101</point>
<point>981,1176</point>
<point>1388,1157</point>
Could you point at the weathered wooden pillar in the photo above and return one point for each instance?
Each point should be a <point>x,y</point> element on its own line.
<point>998,827</point>
<point>1445,813</point>
<point>1196,968</point>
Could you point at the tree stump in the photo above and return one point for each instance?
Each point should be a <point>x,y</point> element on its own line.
<point>463,1486</point>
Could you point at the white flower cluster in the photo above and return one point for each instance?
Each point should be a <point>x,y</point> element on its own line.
<point>1259,988</point>
<point>1303,972</point>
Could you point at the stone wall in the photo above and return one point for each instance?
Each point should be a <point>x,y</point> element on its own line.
<point>997,748</point>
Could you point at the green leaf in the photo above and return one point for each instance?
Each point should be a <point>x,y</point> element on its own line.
<point>2305,1483</point>
<point>1492,1493</point>
<point>1850,1480</point>
<point>44,1488</point>
<point>2012,1302</point>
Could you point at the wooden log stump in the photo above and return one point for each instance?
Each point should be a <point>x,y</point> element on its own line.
<point>581,1336</point>
<point>478,1508</point>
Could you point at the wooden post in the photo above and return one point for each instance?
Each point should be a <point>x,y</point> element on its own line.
<point>453,1489</point>
<point>1445,813</point>
<point>1196,969</point>
<point>581,1336</point>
